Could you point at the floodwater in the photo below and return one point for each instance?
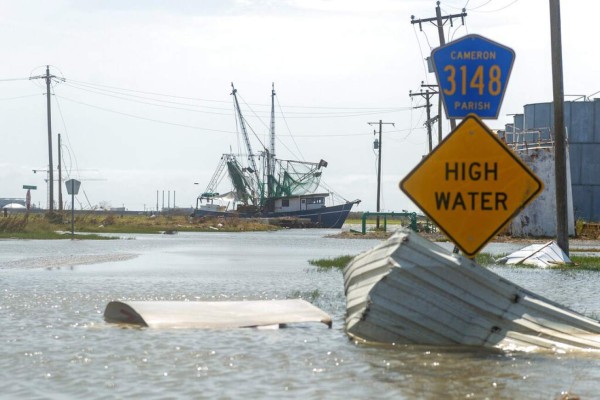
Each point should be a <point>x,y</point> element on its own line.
<point>54,343</point>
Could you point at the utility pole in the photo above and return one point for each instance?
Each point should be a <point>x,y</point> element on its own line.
<point>381,123</point>
<point>439,21</point>
<point>427,95</point>
<point>437,118</point>
<point>560,162</point>
<point>48,78</point>
<point>60,202</point>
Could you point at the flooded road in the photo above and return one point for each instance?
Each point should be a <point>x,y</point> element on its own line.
<point>55,344</point>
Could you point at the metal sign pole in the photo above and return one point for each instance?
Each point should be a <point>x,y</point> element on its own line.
<point>72,213</point>
<point>72,189</point>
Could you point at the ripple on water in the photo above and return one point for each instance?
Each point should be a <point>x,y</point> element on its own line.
<point>55,344</point>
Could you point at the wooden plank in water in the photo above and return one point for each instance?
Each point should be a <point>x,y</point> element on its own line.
<point>214,314</point>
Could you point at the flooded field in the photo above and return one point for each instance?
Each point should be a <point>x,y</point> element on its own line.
<point>55,344</point>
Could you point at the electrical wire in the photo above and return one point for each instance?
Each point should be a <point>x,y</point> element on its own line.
<point>134,98</point>
<point>146,92</point>
<point>19,97</point>
<point>56,100</point>
<point>496,10</point>
<point>71,154</point>
<point>13,79</point>
<point>356,112</point>
<point>353,109</point>
<point>479,6</point>
<point>425,69</point>
<point>145,118</point>
<point>301,157</point>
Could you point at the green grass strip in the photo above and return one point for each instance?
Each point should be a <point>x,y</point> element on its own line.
<point>331,263</point>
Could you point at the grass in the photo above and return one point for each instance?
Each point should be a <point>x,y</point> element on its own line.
<point>587,263</point>
<point>331,263</point>
<point>38,226</point>
<point>52,236</point>
<point>581,263</point>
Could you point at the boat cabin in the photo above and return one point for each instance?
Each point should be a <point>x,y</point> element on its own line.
<point>300,203</point>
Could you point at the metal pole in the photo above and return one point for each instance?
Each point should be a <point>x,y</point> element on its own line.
<point>439,119</point>
<point>429,121</point>
<point>379,175</point>
<point>72,211</point>
<point>51,165</point>
<point>440,26</point>
<point>380,123</point>
<point>60,200</point>
<point>560,164</point>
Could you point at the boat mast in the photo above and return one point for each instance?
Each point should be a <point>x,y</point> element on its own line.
<point>271,155</point>
<point>272,149</point>
<point>245,133</point>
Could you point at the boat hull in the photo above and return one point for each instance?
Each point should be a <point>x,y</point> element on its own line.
<point>409,290</point>
<point>332,217</point>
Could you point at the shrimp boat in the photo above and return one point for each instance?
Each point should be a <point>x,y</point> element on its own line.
<point>263,186</point>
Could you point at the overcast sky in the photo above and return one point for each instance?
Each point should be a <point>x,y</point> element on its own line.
<point>145,103</point>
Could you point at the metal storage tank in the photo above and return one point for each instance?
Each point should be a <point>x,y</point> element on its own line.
<point>538,219</point>
<point>582,120</point>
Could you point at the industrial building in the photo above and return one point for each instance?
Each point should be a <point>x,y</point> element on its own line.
<point>534,129</point>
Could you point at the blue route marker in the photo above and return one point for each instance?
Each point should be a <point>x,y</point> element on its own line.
<point>473,73</point>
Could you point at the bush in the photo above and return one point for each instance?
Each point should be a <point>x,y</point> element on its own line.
<point>54,217</point>
<point>13,224</point>
<point>109,220</point>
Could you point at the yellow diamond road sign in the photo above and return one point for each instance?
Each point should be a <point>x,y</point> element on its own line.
<point>471,185</point>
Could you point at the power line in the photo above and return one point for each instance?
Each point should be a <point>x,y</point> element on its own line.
<point>341,114</point>
<point>493,11</point>
<point>14,79</point>
<point>439,21</point>
<point>374,109</point>
<point>20,97</point>
<point>145,118</point>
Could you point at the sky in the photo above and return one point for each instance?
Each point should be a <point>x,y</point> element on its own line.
<point>142,96</point>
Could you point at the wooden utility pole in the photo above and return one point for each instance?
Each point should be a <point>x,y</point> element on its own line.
<point>381,123</point>
<point>560,163</point>
<point>427,95</point>
<point>49,113</point>
<point>48,78</point>
<point>60,201</point>
<point>439,21</point>
<point>437,118</point>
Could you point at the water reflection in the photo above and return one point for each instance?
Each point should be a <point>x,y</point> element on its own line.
<point>55,343</point>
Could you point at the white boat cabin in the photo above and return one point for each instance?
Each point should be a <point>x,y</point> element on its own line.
<point>300,203</point>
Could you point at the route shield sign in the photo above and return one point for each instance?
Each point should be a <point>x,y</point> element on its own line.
<point>471,185</point>
<point>472,73</point>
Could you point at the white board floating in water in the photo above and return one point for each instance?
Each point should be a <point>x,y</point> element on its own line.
<point>538,255</point>
<point>408,290</point>
<point>214,314</point>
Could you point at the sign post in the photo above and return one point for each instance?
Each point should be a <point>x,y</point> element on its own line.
<point>29,188</point>
<point>72,189</point>
<point>473,74</point>
<point>472,184</point>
